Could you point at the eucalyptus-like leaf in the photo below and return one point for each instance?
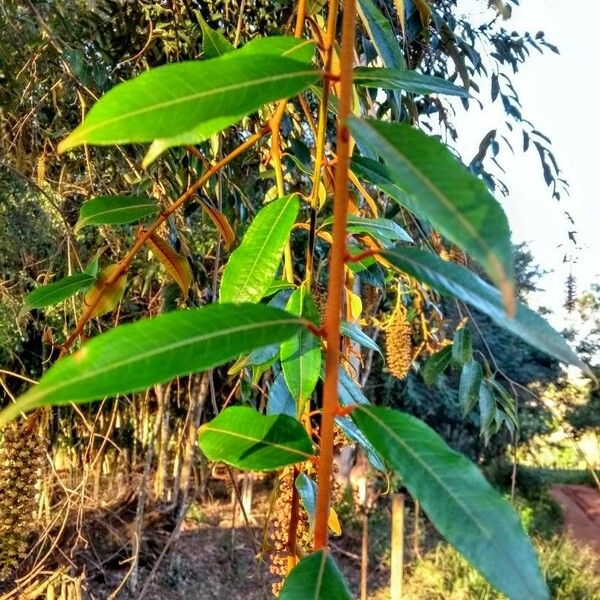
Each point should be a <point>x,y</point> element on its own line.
<point>435,365</point>
<point>356,334</point>
<point>253,265</point>
<point>462,346</point>
<point>281,401</point>
<point>244,438</point>
<point>469,386</point>
<point>443,191</point>
<point>214,43</point>
<point>315,577</point>
<point>383,230</point>
<point>189,101</point>
<point>406,80</point>
<point>115,210</point>
<point>57,291</point>
<point>381,34</point>
<point>451,279</point>
<point>458,500</point>
<point>301,354</point>
<point>103,295</point>
<point>135,356</point>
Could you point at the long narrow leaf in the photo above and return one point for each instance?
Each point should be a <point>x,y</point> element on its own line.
<point>463,506</point>
<point>135,356</point>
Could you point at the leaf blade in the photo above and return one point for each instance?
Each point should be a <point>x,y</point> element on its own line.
<point>135,356</point>
<point>114,210</point>
<point>202,97</point>
<point>315,577</point>
<point>57,291</point>
<point>253,264</point>
<point>406,80</point>
<point>444,192</point>
<point>459,501</point>
<point>244,438</point>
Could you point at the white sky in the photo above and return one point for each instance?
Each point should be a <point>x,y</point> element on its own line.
<point>558,95</point>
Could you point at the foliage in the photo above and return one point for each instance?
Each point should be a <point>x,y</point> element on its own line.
<point>240,122</point>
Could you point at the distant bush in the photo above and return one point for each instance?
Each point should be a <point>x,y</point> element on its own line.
<point>443,574</point>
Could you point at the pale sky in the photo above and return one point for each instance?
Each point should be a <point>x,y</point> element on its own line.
<point>558,94</point>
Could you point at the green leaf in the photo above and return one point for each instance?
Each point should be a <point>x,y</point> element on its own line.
<point>406,80</point>
<point>462,346</point>
<point>315,577</point>
<point>459,501</point>
<point>443,191</point>
<point>244,438</point>
<point>135,356</point>
<point>487,409</point>
<point>307,490</point>
<point>301,354</point>
<point>349,394</point>
<point>470,383</point>
<point>453,280</point>
<point>114,210</point>
<point>214,42</point>
<point>381,34</point>
<point>383,230</point>
<point>189,101</point>
<point>254,263</point>
<point>435,365</point>
<point>57,291</point>
<point>356,334</point>
<point>281,401</point>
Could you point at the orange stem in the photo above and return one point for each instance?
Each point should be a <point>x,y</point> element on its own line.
<point>336,277</point>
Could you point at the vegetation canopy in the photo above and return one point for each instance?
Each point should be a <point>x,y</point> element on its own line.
<point>253,193</point>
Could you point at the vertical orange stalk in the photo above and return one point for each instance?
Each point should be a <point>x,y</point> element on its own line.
<point>336,277</point>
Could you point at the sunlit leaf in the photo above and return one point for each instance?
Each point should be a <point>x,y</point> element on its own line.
<point>176,265</point>
<point>57,291</point>
<point>458,500</point>
<point>214,42</point>
<point>253,265</point>
<point>135,356</point>
<point>105,296</point>
<point>187,102</point>
<point>115,210</point>
<point>243,437</point>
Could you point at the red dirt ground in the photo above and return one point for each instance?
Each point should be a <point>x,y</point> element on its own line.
<point>581,509</point>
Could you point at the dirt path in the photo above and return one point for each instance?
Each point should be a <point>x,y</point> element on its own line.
<point>581,509</point>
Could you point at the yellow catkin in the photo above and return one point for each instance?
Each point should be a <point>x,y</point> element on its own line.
<point>41,169</point>
<point>279,528</point>
<point>398,346</point>
<point>320,298</point>
<point>21,459</point>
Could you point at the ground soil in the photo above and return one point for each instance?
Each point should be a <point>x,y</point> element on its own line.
<point>581,511</point>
